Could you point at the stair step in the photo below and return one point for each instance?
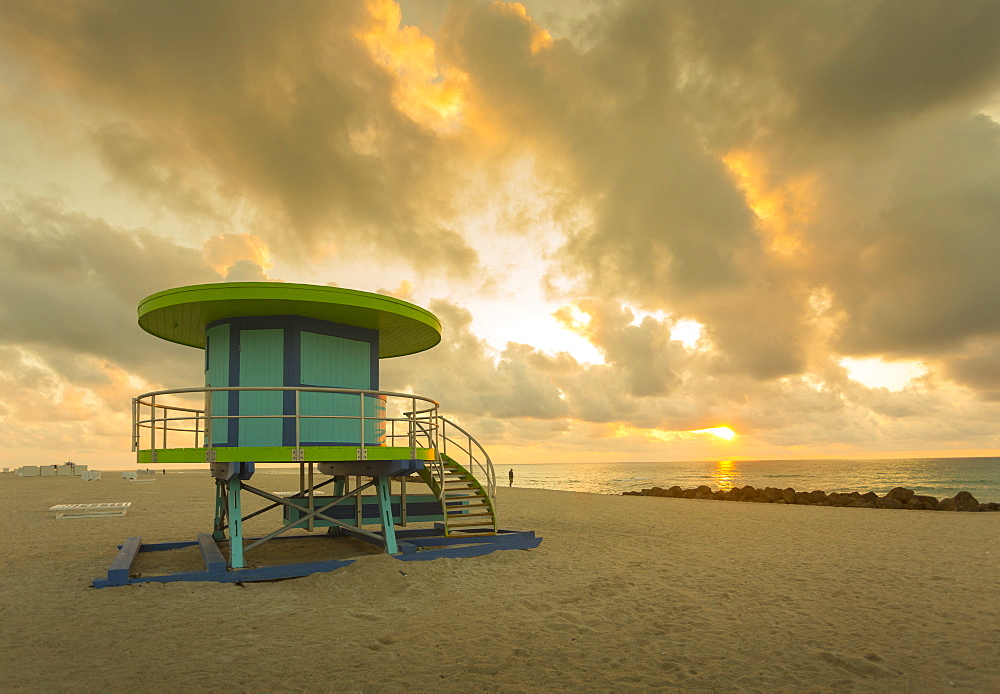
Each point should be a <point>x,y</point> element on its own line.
<point>464,502</point>
<point>477,524</point>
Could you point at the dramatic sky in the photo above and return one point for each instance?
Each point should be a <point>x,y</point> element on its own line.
<point>635,220</point>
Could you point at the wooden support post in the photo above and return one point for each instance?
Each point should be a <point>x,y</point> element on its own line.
<point>210,554</point>
<point>358,511</point>
<point>312,499</point>
<point>339,488</point>
<point>402,500</point>
<point>235,513</point>
<point>118,574</point>
<point>385,511</point>
<point>220,510</point>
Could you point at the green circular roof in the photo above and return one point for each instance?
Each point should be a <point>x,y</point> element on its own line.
<point>180,315</point>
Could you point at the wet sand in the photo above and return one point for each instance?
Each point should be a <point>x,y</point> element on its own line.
<point>625,593</point>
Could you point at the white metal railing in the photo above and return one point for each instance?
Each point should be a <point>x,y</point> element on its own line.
<point>467,447</point>
<point>391,420</point>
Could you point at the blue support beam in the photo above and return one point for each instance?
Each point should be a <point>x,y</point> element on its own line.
<point>220,510</point>
<point>118,573</point>
<point>164,546</point>
<point>498,541</point>
<point>385,510</point>
<point>267,573</point>
<point>438,547</point>
<point>210,553</point>
<point>235,513</point>
<point>472,549</point>
<point>376,540</point>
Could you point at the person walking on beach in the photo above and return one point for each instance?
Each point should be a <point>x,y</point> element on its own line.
<point>511,476</point>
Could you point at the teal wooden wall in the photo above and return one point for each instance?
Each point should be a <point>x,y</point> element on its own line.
<point>282,351</point>
<point>261,364</point>
<point>217,376</point>
<point>337,362</point>
<point>328,360</point>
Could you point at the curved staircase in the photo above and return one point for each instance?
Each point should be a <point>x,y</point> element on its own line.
<point>466,505</point>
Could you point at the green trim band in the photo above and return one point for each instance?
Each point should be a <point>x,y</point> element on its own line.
<point>180,315</point>
<point>281,454</point>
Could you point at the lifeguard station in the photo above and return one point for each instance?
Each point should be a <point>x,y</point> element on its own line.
<point>292,378</point>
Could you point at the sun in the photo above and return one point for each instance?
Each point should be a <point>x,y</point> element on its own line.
<point>721,432</point>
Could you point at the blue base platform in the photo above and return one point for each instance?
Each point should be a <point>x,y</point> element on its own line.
<point>414,545</point>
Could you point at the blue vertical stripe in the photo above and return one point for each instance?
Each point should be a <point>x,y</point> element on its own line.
<point>217,359</point>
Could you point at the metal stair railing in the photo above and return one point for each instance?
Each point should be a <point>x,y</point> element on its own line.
<point>426,430</point>
<point>468,448</point>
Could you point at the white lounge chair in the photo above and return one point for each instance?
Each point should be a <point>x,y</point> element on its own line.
<point>105,509</point>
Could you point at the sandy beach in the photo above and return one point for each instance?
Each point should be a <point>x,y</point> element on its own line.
<point>625,593</point>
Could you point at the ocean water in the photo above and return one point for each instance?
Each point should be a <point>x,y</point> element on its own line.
<point>940,477</point>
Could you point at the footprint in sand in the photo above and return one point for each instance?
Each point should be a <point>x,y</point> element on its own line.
<point>568,616</point>
<point>862,667</point>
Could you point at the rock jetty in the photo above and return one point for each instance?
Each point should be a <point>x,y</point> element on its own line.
<point>899,498</point>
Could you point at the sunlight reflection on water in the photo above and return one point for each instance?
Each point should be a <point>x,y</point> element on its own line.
<point>939,477</point>
<point>724,474</point>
